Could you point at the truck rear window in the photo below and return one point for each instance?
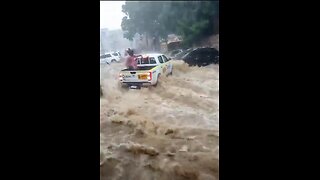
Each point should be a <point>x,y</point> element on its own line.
<point>148,60</point>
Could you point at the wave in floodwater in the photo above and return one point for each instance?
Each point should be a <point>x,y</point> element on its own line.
<point>167,132</point>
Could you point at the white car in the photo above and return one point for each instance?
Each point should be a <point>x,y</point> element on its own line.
<point>116,56</point>
<point>108,58</point>
<point>105,59</point>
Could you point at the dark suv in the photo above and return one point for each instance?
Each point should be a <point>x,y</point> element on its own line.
<point>202,57</point>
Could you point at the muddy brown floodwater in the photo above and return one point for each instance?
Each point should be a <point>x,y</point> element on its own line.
<point>170,132</point>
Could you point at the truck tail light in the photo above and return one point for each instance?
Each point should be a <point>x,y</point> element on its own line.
<point>150,76</point>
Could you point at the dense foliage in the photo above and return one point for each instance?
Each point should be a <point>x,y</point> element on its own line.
<point>190,19</point>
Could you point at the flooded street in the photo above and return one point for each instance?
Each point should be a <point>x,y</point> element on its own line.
<point>166,132</point>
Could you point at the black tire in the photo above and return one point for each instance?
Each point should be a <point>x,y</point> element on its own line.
<point>113,60</point>
<point>157,81</point>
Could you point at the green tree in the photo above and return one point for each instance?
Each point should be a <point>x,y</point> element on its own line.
<point>191,19</point>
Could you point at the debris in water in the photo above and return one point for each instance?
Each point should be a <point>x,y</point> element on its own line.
<point>169,131</point>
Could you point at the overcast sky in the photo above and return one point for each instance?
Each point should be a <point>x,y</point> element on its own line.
<point>111,14</point>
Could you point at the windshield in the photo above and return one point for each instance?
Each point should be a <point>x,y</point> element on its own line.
<point>147,60</point>
<point>115,54</point>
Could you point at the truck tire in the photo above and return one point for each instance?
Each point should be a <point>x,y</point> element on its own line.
<point>113,60</point>
<point>155,85</point>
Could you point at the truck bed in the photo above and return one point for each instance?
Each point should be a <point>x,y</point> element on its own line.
<point>143,68</point>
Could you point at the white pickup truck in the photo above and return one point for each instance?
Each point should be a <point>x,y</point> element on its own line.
<point>150,68</point>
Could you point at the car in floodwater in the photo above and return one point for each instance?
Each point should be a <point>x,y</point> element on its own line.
<point>105,59</point>
<point>150,68</point>
<point>202,57</point>
<point>117,56</point>
<point>109,57</point>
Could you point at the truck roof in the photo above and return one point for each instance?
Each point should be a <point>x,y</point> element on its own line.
<point>152,54</point>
